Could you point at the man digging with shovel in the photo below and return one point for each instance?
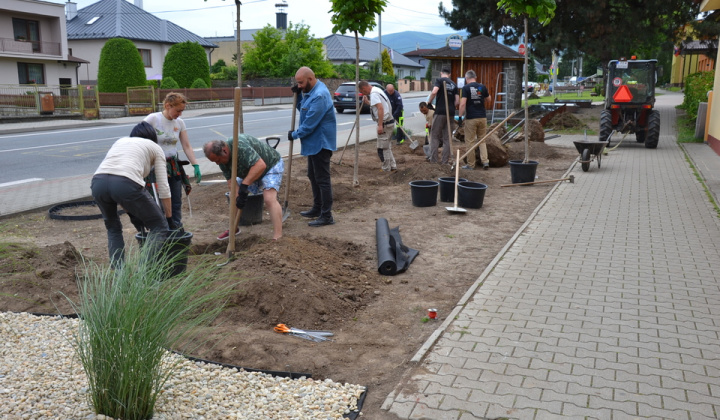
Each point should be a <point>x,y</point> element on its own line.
<point>259,168</point>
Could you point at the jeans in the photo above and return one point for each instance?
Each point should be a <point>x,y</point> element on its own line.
<point>176,195</point>
<point>438,135</point>
<point>111,190</point>
<point>319,175</point>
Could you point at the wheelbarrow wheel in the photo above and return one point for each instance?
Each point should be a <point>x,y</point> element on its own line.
<point>585,160</point>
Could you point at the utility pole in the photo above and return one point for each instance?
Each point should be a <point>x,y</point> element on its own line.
<point>238,3</point>
<point>380,38</point>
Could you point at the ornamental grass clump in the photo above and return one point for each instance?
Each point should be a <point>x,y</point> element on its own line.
<point>131,316</point>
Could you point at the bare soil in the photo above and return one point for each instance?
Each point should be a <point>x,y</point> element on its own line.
<point>314,278</point>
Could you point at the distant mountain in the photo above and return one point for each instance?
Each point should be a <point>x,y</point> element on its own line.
<point>403,42</point>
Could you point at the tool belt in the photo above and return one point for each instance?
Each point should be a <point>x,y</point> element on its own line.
<point>389,122</point>
<point>174,169</point>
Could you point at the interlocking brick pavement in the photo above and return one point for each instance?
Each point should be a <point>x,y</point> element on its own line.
<point>604,306</point>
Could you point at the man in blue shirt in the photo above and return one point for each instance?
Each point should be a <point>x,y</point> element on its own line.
<point>318,137</point>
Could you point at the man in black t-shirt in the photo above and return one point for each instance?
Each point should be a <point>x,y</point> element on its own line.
<point>439,131</point>
<point>472,105</point>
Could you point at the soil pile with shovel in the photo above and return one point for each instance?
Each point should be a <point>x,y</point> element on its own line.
<point>314,278</point>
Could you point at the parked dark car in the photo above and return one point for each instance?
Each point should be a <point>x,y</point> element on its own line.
<point>344,97</point>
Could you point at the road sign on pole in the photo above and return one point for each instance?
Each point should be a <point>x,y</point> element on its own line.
<point>454,42</point>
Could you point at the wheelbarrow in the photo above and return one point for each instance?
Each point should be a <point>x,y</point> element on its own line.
<point>589,151</point>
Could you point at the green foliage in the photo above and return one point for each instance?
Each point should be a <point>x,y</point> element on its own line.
<point>428,72</point>
<point>347,71</point>
<point>169,83</point>
<point>387,65</point>
<point>130,316</point>
<point>186,62</point>
<point>199,84</point>
<point>542,10</point>
<point>697,86</point>
<point>532,70</point>
<point>120,66</point>
<point>279,54</point>
<point>217,67</point>
<point>357,16</point>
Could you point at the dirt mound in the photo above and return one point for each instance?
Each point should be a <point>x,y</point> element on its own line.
<point>566,121</point>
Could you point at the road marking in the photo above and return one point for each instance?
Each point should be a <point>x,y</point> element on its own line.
<point>56,145</point>
<point>22,181</point>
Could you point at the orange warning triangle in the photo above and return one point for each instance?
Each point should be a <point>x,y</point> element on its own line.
<point>623,94</point>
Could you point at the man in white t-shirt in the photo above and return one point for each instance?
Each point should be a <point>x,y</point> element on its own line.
<point>381,112</point>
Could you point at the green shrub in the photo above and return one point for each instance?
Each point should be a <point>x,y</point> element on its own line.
<point>697,86</point>
<point>199,84</point>
<point>169,83</point>
<point>120,66</point>
<point>186,62</point>
<point>130,316</point>
<point>217,67</point>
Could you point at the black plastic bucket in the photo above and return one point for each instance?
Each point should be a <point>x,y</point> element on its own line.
<point>252,212</point>
<point>523,172</point>
<point>177,247</point>
<point>424,193</point>
<point>447,188</point>
<point>471,194</point>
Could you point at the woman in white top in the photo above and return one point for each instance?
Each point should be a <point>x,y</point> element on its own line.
<point>119,180</point>
<point>170,130</point>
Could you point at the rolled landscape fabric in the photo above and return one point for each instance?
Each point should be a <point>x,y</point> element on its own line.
<point>393,256</point>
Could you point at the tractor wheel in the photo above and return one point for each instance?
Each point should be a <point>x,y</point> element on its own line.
<point>653,133</point>
<point>605,125</point>
<point>640,136</point>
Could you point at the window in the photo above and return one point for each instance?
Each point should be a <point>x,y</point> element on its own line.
<point>146,57</point>
<point>27,30</point>
<point>29,73</point>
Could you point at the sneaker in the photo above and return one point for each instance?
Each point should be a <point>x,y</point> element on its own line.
<point>223,236</point>
<point>467,167</point>
<point>486,166</point>
<point>400,142</point>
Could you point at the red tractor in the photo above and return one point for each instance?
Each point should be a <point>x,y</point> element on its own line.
<point>629,101</point>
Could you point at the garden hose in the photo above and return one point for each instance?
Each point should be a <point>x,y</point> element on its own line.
<point>606,151</point>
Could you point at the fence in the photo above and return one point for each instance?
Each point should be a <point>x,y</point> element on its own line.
<point>35,100</point>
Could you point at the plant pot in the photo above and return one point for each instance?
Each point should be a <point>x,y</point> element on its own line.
<point>252,212</point>
<point>424,193</point>
<point>523,172</point>
<point>177,248</point>
<point>447,188</point>
<point>471,194</point>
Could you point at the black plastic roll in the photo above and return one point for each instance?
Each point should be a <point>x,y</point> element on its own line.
<point>393,256</point>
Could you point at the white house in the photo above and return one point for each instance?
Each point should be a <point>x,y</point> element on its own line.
<point>90,27</point>
<point>341,49</point>
<point>33,44</point>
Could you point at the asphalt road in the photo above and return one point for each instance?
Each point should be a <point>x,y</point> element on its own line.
<point>45,155</point>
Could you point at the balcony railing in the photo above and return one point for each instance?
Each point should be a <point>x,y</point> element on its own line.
<point>9,45</point>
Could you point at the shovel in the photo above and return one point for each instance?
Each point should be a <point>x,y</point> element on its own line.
<point>285,210</point>
<point>413,143</point>
<point>455,208</point>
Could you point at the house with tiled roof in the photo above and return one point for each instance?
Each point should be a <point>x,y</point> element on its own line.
<point>90,27</point>
<point>340,49</point>
<point>498,67</point>
<point>417,56</point>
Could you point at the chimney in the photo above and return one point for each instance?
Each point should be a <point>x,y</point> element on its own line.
<point>70,10</point>
<point>281,16</point>
<point>138,3</point>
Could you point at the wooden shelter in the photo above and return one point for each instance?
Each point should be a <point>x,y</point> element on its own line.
<point>489,59</point>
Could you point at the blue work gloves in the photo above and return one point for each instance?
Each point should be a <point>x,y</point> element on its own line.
<point>198,175</point>
<point>290,137</point>
<point>242,196</point>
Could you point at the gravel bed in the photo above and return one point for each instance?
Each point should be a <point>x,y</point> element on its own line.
<point>41,378</point>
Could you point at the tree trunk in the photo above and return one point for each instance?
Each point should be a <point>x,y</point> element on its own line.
<point>358,107</point>
<point>241,125</point>
<point>525,77</point>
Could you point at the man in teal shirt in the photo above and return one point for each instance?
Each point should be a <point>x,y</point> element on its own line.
<point>259,169</point>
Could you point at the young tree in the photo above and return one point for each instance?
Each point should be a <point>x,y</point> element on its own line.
<point>387,65</point>
<point>186,62</point>
<point>543,11</point>
<point>120,66</point>
<point>357,16</point>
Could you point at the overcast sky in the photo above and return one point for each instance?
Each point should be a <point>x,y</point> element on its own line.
<point>217,17</point>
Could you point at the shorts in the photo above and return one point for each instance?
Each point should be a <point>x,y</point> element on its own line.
<point>271,181</point>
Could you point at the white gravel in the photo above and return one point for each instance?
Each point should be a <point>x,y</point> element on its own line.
<point>40,378</point>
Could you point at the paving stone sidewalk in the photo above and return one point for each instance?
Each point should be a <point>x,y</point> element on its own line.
<point>605,306</point>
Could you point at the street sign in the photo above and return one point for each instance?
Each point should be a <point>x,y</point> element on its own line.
<point>521,49</point>
<point>454,42</point>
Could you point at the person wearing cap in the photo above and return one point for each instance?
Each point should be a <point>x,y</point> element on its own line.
<point>119,181</point>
